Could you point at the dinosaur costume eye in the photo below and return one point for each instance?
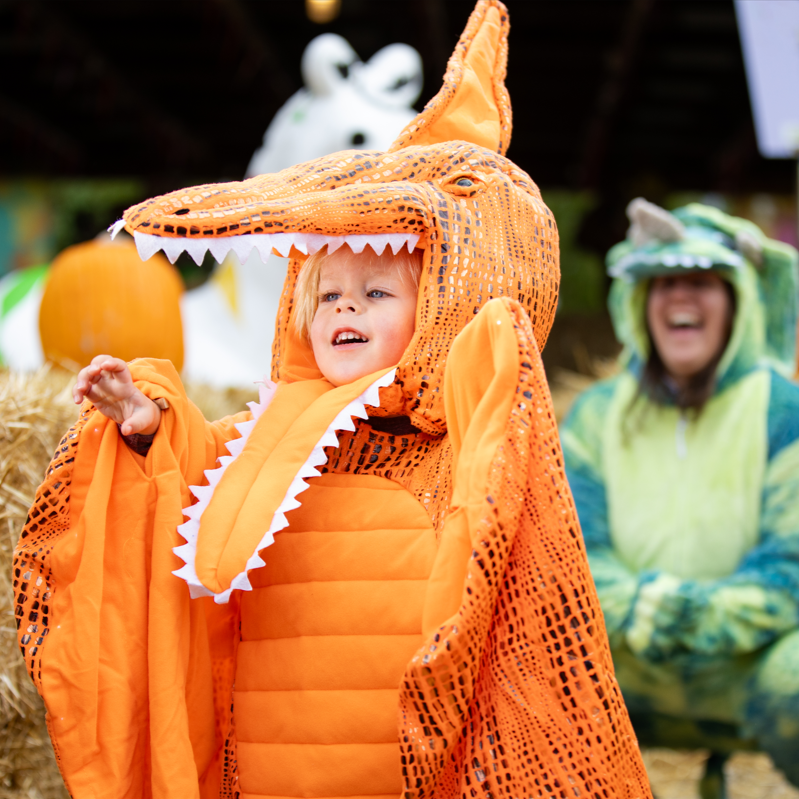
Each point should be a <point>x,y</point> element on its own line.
<point>463,185</point>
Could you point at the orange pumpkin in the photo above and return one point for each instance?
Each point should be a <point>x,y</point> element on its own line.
<point>100,297</point>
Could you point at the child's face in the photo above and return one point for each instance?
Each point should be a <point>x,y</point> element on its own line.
<point>365,318</point>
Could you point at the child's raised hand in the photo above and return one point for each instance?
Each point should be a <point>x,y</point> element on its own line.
<point>108,384</point>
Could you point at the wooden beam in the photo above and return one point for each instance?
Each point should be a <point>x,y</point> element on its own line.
<point>613,92</point>
<point>180,143</point>
<point>436,45</point>
<point>42,131</point>
<point>259,54</point>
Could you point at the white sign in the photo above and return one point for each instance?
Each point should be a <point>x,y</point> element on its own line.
<point>770,41</point>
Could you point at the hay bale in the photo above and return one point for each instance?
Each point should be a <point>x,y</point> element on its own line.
<point>215,403</point>
<point>566,385</point>
<point>34,412</point>
<point>749,775</point>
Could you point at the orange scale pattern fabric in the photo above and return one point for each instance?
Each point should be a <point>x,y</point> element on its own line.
<point>508,687</point>
<point>532,679</point>
<point>33,580</point>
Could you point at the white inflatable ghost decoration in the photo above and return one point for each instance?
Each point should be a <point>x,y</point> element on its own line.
<point>345,104</point>
<point>228,322</point>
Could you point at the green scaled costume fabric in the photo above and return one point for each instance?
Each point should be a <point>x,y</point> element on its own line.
<point>691,522</point>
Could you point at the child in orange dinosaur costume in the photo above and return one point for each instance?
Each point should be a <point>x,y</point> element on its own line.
<point>440,517</point>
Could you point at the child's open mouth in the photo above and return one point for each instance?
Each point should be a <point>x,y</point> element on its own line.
<point>348,338</point>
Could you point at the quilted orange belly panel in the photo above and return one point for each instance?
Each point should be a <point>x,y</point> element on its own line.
<point>326,633</point>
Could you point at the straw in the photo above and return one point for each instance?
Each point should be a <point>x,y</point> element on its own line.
<point>34,412</point>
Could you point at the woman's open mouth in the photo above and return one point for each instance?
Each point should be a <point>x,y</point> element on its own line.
<point>684,321</point>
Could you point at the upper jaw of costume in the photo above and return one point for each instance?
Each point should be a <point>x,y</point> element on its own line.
<point>345,198</point>
<point>266,243</point>
<point>479,219</point>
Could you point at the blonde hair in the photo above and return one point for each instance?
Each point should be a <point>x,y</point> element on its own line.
<point>306,293</point>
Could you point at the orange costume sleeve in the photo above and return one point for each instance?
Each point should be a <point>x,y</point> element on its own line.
<point>114,644</point>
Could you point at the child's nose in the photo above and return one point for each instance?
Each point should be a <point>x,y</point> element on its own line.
<point>348,304</point>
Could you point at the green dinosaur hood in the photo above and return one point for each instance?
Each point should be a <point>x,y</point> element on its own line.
<point>764,330</point>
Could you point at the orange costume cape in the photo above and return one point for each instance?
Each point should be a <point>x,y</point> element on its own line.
<point>512,691</point>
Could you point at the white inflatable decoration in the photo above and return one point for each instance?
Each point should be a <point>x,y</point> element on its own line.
<point>345,104</point>
<point>228,322</point>
<point>20,298</point>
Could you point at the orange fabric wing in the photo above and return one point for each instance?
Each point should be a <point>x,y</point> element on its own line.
<point>513,692</point>
<point>116,648</point>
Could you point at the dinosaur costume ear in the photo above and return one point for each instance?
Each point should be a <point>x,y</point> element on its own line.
<point>473,104</point>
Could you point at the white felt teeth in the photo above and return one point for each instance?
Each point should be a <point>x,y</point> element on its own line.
<point>219,248</point>
<point>196,249</point>
<point>190,530</point>
<point>147,245</point>
<point>236,446</point>
<point>308,243</point>
<point>245,428</point>
<point>356,243</point>
<point>173,248</point>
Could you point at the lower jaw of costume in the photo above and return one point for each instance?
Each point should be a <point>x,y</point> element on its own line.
<point>265,243</point>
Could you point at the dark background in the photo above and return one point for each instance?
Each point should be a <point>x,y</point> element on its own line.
<point>613,98</point>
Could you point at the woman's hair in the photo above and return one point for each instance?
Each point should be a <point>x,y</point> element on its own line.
<point>654,382</point>
<point>306,294</point>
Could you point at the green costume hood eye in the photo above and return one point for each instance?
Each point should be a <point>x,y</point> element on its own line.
<point>698,237</point>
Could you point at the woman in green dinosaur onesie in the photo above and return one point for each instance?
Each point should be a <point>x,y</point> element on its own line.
<point>685,473</point>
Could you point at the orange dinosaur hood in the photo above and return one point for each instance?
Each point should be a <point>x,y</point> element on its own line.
<point>444,186</point>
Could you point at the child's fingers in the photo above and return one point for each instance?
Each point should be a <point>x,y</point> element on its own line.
<point>109,364</point>
<point>112,369</point>
<point>93,373</point>
<point>98,360</point>
<point>82,385</point>
<point>115,369</point>
<point>106,364</point>
<point>102,366</point>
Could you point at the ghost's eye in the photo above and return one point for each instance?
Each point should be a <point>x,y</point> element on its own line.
<point>464,182</point>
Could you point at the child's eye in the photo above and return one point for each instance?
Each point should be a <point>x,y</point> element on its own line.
<point>376,293</point>
<point>331,296</point>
